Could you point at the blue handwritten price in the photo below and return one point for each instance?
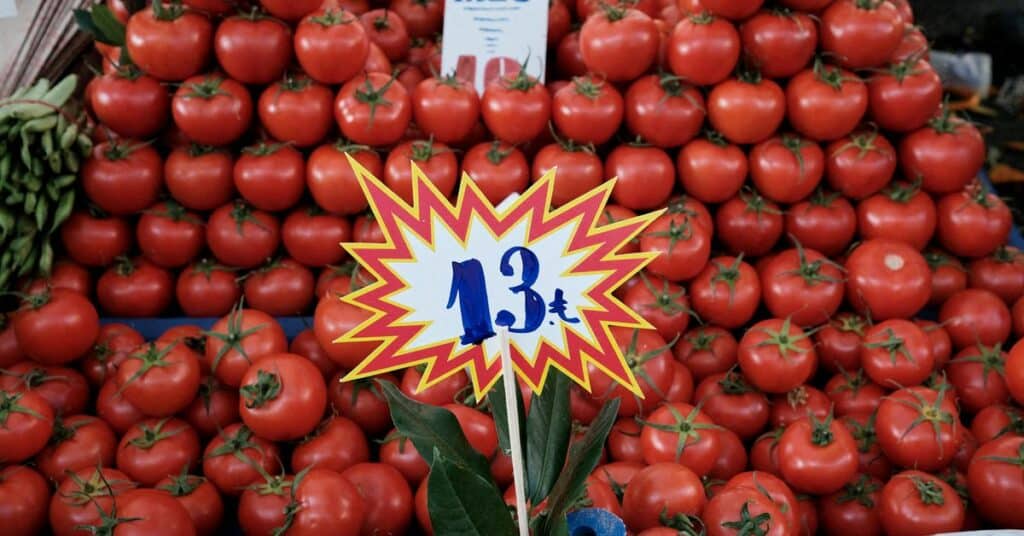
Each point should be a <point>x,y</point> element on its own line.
<point>469,292</point>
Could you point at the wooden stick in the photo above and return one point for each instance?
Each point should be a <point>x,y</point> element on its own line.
<point>508,375</point>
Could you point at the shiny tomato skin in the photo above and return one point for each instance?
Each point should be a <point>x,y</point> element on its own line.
<point>776,367</point>
<point>905,97</point>
<point>212,110</point>
<point>242,236</point>
<point>387,496</point>
<point>666,486</point>
<point>122,178</point>
<point>95,240</point>
<point>297,111</point>
<point>239,339</point>
<point>199,177</point>
<point>780,43</point>
<point>861,36</point>
<point>281,288</point>
<point>169,236</point>
<point>56,311</point>
<point>1002,273</point>
<point>928,446</point>
<point>337,444</point>
<point>853,394</point>
<point>825,103</point>
<point>972,223</point>
<point>223,459</point>
<point>120,414</point>
<point>154,449</point>
<point>214,408</point>
<point>135,288</point>
<point>786,168</point>
<point>976,373</point>
<point>169,50</point>
<point>270,177</point>
<point>706,350</point>
<point>131,107</point>
<point>728,399</point>
<point>860,164</point>
<point>79,442</point>
<point>446,108</point>
<point>661,303</point>
<point>619,45</point>
<point>711,170</point>
<point>991,482</point>
<point>332,181</point>
<point>205,289</point>
<point>683,245</point>
<point>825,222</point>
<point>746,112</point>
<point>802,285</point>
<point>290,10</point>
<point>673,423</point>
<point>663,111</point>
<point>651,361</point>
<point>703,49</point>
<point>515,108</point>
<point>331,45</point>
<point>298,406</point>
<point>498,169</point>
<point>588,110</point>
<point>645,176</point>
<point>727,507</point>
<point>797,403</point>
<point>897,353</point>
<point>435,160</point>
<point>900,212</point>
<point>159,379</point>
<point>749,224</point>
<point>975,316</point>
<point>726,293</point>
<point>390,115</point>
<point>332,319</point>
<point>253,50</point>
<point>946,154</point>
<point>887,279</point>
<point>25,495</point>
<point>852,509</point>
<point>398,452</point>
<point>314,238</point>
<point>906,508</point>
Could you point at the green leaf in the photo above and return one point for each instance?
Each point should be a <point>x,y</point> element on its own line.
<point>583,458</point>
<point>101,23</point>
<point>432,428</point>
<point>548,430</point>
<point>497,400</point>
<point>464,503</point>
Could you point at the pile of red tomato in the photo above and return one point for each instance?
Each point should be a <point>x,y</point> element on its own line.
<point>821,200</point>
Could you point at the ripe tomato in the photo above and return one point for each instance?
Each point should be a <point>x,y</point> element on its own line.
<point>387,496</point>
<point>331,45</point>
<point>906,96</point>
<point>398,452</point>
<point>825,222</point>
<point>852,509</point>
<point>972,223</point>
<point>291,10</point>
<point>776,355</point>
<point>680,433</point>
<point>154,449</point>
<point>446,108</point>
<point>253,48</point>
<point>746,110</point>
<point>728,399</point>
<point>130,103</point>
<point>663,489</point>
<point>726,292</point>
<point>780,43</point>
<point>135,288</point>
<point>497,169</point>
<point>588,110</point>
<point>749,224</point>
<point>900,212</point>
<point>297,110</point>
<point>387,30</point>
<point>661,303</point>
<point>65,274</point>
<point>744,509</point>
<point>786,168</point>
<point>332,181</point>
<point>946,154</point>
<point>270,176</point>
<point>916,427</point>
<point>711,170</point>
<point>663,110</point>
<point>25,494</point>
<point>1018,317</point>
<point>114,343</point>
<point>337,444</point>
<point>361,401</point>
<point>26,424</point>
<point>703,49</point>
<point>225,459</point>
<point>706,350</point>
<point>683,245</point>
<point>120,414</point>
<point>313,238</point>
<point>169,236</point>
<point>803,285</point>
<point>859,34</point>
<point>239,339</point>
<point>913,502</point>
<point>887,279</point>
<point>825,103</point>
<point>122,178</point>
<point>199,498</point>
<point>214,408</point>
<point>147,512</point>
<point>435,160</point>
<point>1002,273</point>
<point>993,488</point>
<point>240,235</point>
<point>334,318</point>
<point>95,239</point>
<point>78,442</point>
<point>282,287</point>
<point>771,487</point>
<point>283,397</point>
<point>975,316</point>
<point>207,289</point>
<point>854,394</point>
<point>651,361</point>
<point>371,109</point>
<point>199,177</point>
<point>948,276</point>
<point>732,9</point>
<point>797,403</point>
<point>82,496</point>
<point>872,461</point>
<point>212,110</point>
<point>618,43</point>
<point>160,379</point>
<point>897,353</point>
<point>860,164</point>
<point>168,42</point>
<point>977,374</point>
<point>60,311</point>
<point>568,57</point>
<point>516,107</point>
<point>423,19</point>
<point>645,177</point>
<point>624,443</point>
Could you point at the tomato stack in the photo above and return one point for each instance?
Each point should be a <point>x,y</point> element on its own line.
<point>833,301</point>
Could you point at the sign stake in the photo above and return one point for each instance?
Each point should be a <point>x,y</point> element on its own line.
<point>508,376</point>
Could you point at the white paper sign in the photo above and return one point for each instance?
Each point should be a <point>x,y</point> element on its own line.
<point>8,9</point>
<point>487,39</point>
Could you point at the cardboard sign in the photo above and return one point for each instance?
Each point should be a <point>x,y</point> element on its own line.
<point>448,274</point>
<point>487,39</point>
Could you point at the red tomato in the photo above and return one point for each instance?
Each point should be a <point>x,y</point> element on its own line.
<point>95,240</point>
<point>683,246</point>
<point>135,288</point>
<point>331,45</point>
<point>728,399</point>
<point>861,35</point>
<point>26,424</point>
<point>253,48</point>
<point>361,401</point>
<point>977,374</point>
<point>120,414</point>
<point>214,408</point>
<point>50,312</point>
<point>972,223</point>
<point>212,110</point>
<point>916,427</point>
<point>240,235</point>
<point>332,181</point>
<point>435,160</point>
<point>159,379</point>
<point>199,177</point>
<point>169,236</point>
<point>398,452</point>
<point>661,303</point>
<point>207,289</point>
<point>860,164</point>
<point>25,494</point>
<point>624,443</point>
<point>711,169</point>
<point>744,509</point>
<point>854,394</point>
<point>337,444</point>
<point>906,96</point>
<point>78,442</point>
<point>387,496</point>
<point>663,110</point>
<point>281,287</point>
<point>618,43</point>
<point>825,103</point>
<point>825,222</point>
<point>154,449</point>
<point>238,340</point>
<point>334,318</point>
<point>651,361</point>
<point>283,397</point>
<point>270,176</point>
<point>497,169</point>
<point>703,49</point>
<point>897,353</point>
<point>387,30</point>
<point>948,276</point>
<point>446,108</point>
<point>947,154</point>
<point>872,461</point>
<point>900,212</point>
<point>297,110</point>
<point>726,292</point>
<point>371,109</point>
<point>588,110</point>
<point>122,178</point>
<point>224,460</point>
<point>291,10</point>
<point>802,285</point>
<point>516,108</point>
<point>568,57</point>
<point>645,176</point>
<point>680,433</point>
<point>993,487</point>
<point>422,18</point>
<point>706,350</point>
<point>1002,273</point>
<point>667,489</point>
<point>199,498</point>
<point>786,168</point>
<point>1018,317</point>
<point>168,42</point>
<point>799,402</point>
<point>314,238</point>
<point>887,279</point>
<point>131,104</point>
<point>749,224</point>
<point>776,356</point>
<point>747,109</point>
<point>779,43</point>
<point>913,502</point>
<point>975,316</point>
<point>852,509</point>
<point>82,496</point>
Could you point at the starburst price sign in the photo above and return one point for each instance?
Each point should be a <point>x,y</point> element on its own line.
<point>448,277</point>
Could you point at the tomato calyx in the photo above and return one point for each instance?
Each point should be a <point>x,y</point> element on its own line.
<point>120,150</point>
<point>701,340</point>
<point>262,148</point>
<point>151,435</point>
<point>587,87</point>
<point>183,484</point>
<point>821,431</point>
<point>685,427</point>
<point>734,384</point>
<point>234,337</point>
<point>207,266</point>
<point>931,414</point>
<point>893,345</point>
<point>124,266</point>
<point>937,259</point>
<point>859,490</point>
<point>810,272</point>
<point>207,89</point>
<point>522,81</point>
<point>86,491</point>
<point>851,323</point>
<point>928,491</point>
<point>252,14</point>
<point>902,192</point>
<point>635,361</point>
<point>63,431</point>
<point>373,97</point>
<point>34,377</point>
<point>863,434</point>
<point>748,74</point>
<point>242,213</point>
<point>236,445</point>
<point>757,203</point>
<point>823,198</point>
<point>168,13</point>
<point>751,526</point>
<point>1017,462</point>
<point>495,154</point>
<point>852,382</point>
<point>1007,255</point>
<point>381,23</point>
<point>906,68</point>
<point>294,84</point>
<point>869,5</point>
<point>990,357</point>
<point>175,212</point>
<point>345,146</point>
<point>676,232</point>
<point>266,388</point>
<point>675,87</point>
<point>683,524</point>
<point>207,387</point>
<point>946,122</point>
<point>728,274</point>
<point>864,142</point>
<point>151,358</point>
<point>668,302</point>
<point>195,150</point>
<point>795,144</point>
<point>830,75</point>
<point>108,522</point>
<point>614,13</point>
<point>332,17</point>
<point>1016,424</point>
<point>702,18</point>
<point>9,405</point>
<point>783,340</point>
<point>715,137</point>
